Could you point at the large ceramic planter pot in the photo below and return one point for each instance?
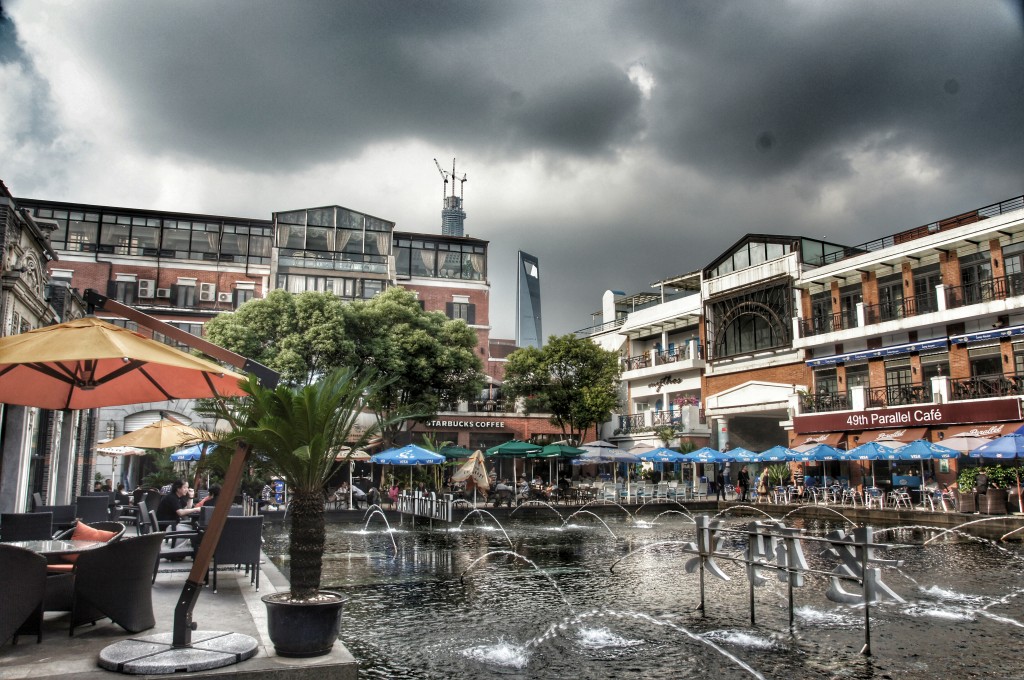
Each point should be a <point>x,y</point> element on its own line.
<point>993,502</point>
<point>302,629</point>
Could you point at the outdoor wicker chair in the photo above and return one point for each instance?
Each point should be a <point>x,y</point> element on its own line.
<point>63,515</point>
<point>114,582</point>
<point>176,544</point>
<point>21,593</point>
<point>241,543</point>
<point>91,509</point>
<point>32,526</point>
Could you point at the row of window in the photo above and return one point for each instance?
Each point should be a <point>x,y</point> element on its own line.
<point>345,287</point>
<point>126,235</point>
<point>440,260</point>
<point>181,294</point>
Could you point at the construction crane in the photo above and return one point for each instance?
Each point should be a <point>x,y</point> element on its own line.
<point>444,176</point>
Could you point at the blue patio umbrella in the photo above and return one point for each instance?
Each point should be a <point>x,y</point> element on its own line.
<point>742,455</point>
<point>661,455</point>
<point>707,455</point>
<point>777,454</point>
<point>922,449</point>
<point>189,453</point>
<point>407,455</point>
<point>410,455</point>
<point>825,452</point>
<point>871,451</point>
<point>1008,446</point>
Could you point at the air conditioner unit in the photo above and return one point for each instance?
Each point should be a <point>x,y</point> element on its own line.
<point>224,297</point>
<point>146,288</point>
<point>207,292</point>
<point>163,292</point>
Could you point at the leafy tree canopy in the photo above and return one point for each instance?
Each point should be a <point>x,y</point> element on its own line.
<point>300,336</point>
<point>428,359</point>
<point>425,359</point>
<point>573,379</point>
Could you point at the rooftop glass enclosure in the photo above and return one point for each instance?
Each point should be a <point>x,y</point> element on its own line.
<point>333,238</point>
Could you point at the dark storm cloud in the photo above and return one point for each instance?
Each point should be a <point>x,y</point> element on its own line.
<point>589,114</point>
<point>761,89</point>
<point>284,85</point>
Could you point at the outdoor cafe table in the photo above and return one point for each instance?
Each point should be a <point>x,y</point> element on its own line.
<point>57,546</point>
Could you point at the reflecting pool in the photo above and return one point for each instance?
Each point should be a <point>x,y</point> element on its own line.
<point>539,600</point>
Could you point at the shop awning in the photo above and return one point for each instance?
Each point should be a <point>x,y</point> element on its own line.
<point>802,442</point>
<point>993,334</point>
<point>990,430</point>
<point>907,348</point>
<point>903,435</point>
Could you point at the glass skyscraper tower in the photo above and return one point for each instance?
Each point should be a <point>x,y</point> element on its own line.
<point>528,326</point>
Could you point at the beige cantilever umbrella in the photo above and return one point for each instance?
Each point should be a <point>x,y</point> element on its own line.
<point>163,434</point>
<point>474,471</point>
<point>88,363</point>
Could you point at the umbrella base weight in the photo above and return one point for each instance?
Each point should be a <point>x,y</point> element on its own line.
<point>154,654</point>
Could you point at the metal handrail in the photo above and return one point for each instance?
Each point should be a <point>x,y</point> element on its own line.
<point>986,386</point>
<point>1009,205</point>
<point>898,395</point>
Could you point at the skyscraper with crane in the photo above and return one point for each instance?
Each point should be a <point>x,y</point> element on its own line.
<point>453,217</point>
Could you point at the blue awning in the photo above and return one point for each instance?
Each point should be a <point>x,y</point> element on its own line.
<point>993,334</point>
<point>938,343</point>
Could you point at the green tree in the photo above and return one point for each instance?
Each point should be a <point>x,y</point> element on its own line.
<point>300,336</point>
<point>573,379</point>
<point>428,360</point>
<point>425,359</point>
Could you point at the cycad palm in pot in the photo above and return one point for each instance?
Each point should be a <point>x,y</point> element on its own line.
<point>298,432</point>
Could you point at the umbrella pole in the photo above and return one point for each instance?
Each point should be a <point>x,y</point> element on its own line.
<point>350,485</point>
<point>183,626</point>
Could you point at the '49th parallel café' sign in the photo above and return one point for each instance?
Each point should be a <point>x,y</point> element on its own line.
<point>922,415</point>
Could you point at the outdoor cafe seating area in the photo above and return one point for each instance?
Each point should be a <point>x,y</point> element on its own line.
<point>84,562</point>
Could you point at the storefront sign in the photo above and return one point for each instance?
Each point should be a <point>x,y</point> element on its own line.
<point>656,386</point>
<point>474,424</point>
<point>910,416</point>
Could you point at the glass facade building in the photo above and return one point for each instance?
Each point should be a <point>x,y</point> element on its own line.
<point>528,316</point>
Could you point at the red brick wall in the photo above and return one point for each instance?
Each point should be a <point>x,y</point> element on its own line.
<point>996,256</point>
<point>788,374</point>
<point>436,298</point>
<point>949,266</point>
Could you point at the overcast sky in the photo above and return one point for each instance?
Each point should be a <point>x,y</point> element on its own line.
<point>619,142</point>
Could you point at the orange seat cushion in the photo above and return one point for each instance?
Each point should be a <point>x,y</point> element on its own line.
<point>60,568</point>
<point>84,532</point>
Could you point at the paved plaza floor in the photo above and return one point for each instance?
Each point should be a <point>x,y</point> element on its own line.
<point>235,607</point>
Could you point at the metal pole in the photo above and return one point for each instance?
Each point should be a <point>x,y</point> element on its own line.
<point>183,624</point>
<point>702,612</point>
<point>866,651</point>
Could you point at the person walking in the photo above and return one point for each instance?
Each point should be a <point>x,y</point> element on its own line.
<point>743,482</point>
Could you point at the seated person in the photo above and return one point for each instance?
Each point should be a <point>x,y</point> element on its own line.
<point>522,488</point>
<point>211,497</point>
<point>537,480</point>
<point>359,496</point>
<point>121,496</point>
<point>177,506</point>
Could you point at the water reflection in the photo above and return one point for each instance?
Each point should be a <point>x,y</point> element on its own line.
<point>409,616</point>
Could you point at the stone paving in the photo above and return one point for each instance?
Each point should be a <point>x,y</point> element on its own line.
<point>236,608</point>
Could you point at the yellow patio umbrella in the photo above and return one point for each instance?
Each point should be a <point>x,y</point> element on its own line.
<point>163,434</point>
<point>88,363</point>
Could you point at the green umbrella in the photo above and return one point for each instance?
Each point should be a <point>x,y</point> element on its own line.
<point>557,452</point>
<point>514,449</point>
<point>455,452</point>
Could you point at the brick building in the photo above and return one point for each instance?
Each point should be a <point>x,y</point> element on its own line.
<point>915,335</point>
<point>186,268</point>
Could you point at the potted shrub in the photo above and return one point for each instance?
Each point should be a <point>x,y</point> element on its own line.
<point>297,433</point>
